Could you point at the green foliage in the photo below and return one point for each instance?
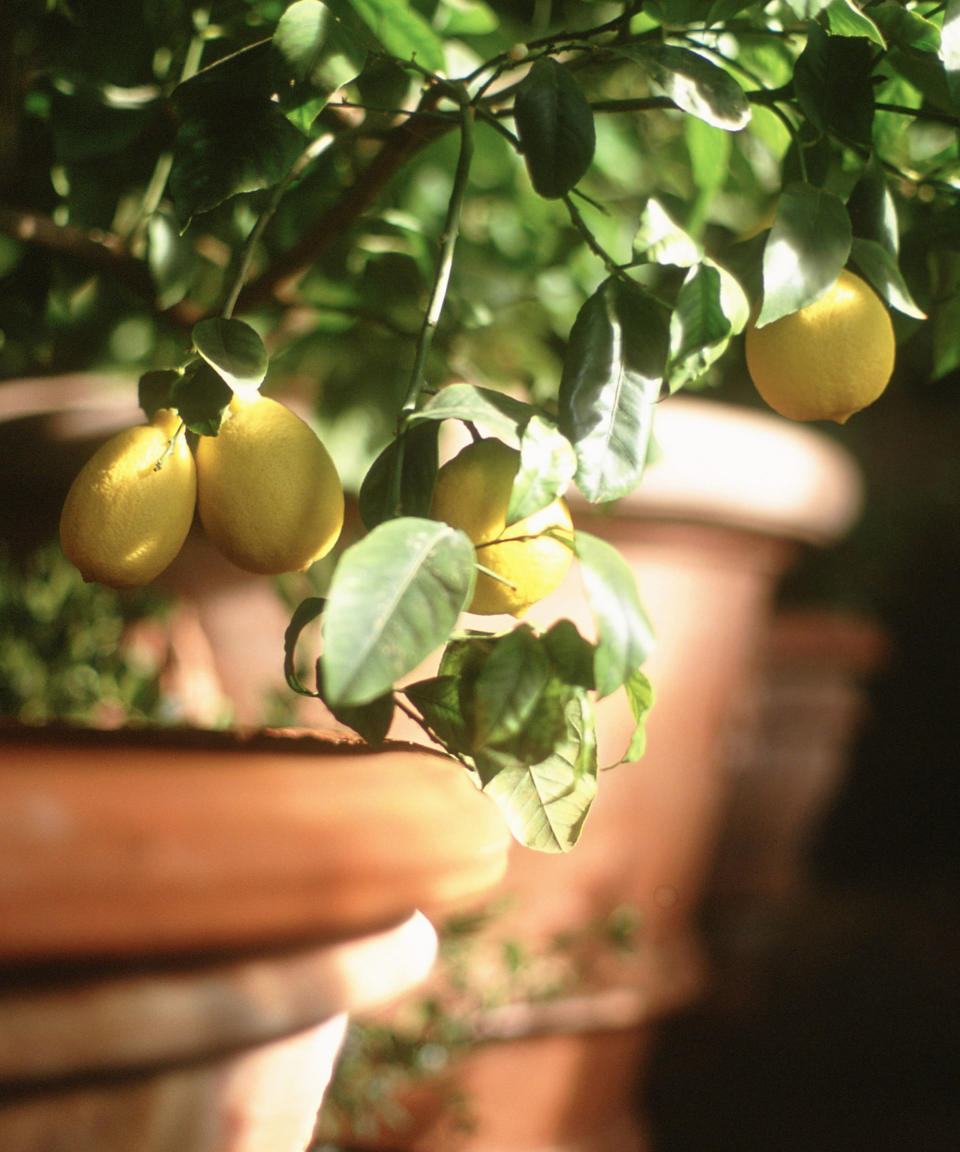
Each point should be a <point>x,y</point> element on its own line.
<point>435,212</point>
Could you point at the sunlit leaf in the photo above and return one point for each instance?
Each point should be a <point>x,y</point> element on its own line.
<point>398,28</point>
<point>394,598</point>
<point>547,467</point>
<point>660,239</point>
<point>234,350</point>
<point>624,636</point>
<point>805,252</point>
<point>555,126</point>
<point>950,49</point>
<point>845,19</point>
<point>880,267</point>
<point>699,327</point>
<point>465,18</point>
<point>906,28</point>
<point>611,379</point>
<point>640,695</point>
<point>695,84</point>
<point>499,414</point>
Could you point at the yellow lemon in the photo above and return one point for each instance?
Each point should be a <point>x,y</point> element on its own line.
<point>530,557</point>
<point>130,507</point>
<point>828,360</point>
<point>268,493</point>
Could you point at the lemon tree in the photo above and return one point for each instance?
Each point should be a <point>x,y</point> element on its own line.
<point>442,214</point>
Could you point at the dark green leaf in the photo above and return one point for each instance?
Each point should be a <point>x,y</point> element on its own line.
<point>832,82</point>
<point>870,206</point>
<point>545,804</point>
<point>845,19</point>
<point>418,473</point>
<point>438,702</point>
<point>201,396</point>
<point>906,28</point>
<point>395,597</point>
<point>500,415</point>
<point>571,655</point>
<point>398,28</point>
<point>950,50</point>
<point>234,350</point>
<point>371,720</point>
<point>611,379</point>
<point>805,252</point>
<point>547,466</point>
<point>880,267</point>
<point>693,83</point>
<point>304,614</point>
<point>555,125</point>
<point>229,151</point>
<point>156,390</point>
<point>230,85</point>
<point>624,635</point>
<point>946,337</point>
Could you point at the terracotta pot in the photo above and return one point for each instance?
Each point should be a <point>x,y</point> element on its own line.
<point>185,919</point>
<point>708,533</point>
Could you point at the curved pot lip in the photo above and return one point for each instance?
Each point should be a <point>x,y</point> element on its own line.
<point>746,469</point>
<point>143,842</point>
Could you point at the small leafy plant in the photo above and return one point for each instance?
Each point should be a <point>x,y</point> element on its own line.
<point>382,187</point>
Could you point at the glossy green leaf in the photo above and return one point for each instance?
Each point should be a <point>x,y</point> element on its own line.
<point>660,239</point>
<point>398,28</point>
<point>845,19</point>
<point>880,267</point>
<point>394,598</point>
<point>640,695</point>
<point>547,467</point>
<point>316,53</point>
<point>870,206</point>
<point>950,49</point>
<point>201,396</point>
<point>554,122</point>
<point>418,473</point>
<point>545,804</point>
<point>695,84</point>
<point>832,80</point>
<point>624,636</point>
<point>234,350</point>
<point>498,414</point>
<point>905,27</point>
<point>156,390</point>
<point>611,379</point>
<point>699,327</point>
<point>805,252</point>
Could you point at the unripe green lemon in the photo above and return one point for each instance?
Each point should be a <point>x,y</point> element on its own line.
<point>268,493</point>
<point>828,360</point>
<point>529,557</point>
<point>130,507</point>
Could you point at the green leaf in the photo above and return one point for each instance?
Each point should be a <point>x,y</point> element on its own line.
<point>234,350</point>
<point>699,326</point>
<point>807,9</point>
<point>438,702</point>
<point>624,635</point>
<point>394,597</point>
<point>399,30</point>
<point>640,695</point>
<point>201,396</point>
<point>906,28</point>
<point>946,336</point>
<point>693,83</point>
<point>570,654</point>
<point>832,80</point>
<point>306,612</point>
<point>548,464</point>
<point>950,50</point>
<point>228,151</point>
<point>318,55</point>
<point>465,18</point>
<point>156,390</point>
<point>555,125</point>
<point>418,475</point>
<point>870,206</point>
<point>545,804</point>
<point>880,267</point>
<point>660,239</point>
<point>805,252</point>
<point>611,379</point>
<point>371,720</point>
<point>845,19</point>
<point>500,415</point>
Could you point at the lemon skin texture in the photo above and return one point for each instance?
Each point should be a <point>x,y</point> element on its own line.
<point>268,493</point>
<point>827,361</point>
<point>472,493</point>
<point>130,507</point>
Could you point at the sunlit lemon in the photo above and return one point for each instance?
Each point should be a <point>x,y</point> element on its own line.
<point>130,507</point>
<point>529,558</point>
<point>268,493</point>
<point>828,360</point>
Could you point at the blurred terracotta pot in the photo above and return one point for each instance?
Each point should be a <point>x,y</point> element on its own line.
<point>708,533</point>
<point>186,918</point>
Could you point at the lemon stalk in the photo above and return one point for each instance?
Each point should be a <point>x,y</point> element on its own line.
<point>441,281</point>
